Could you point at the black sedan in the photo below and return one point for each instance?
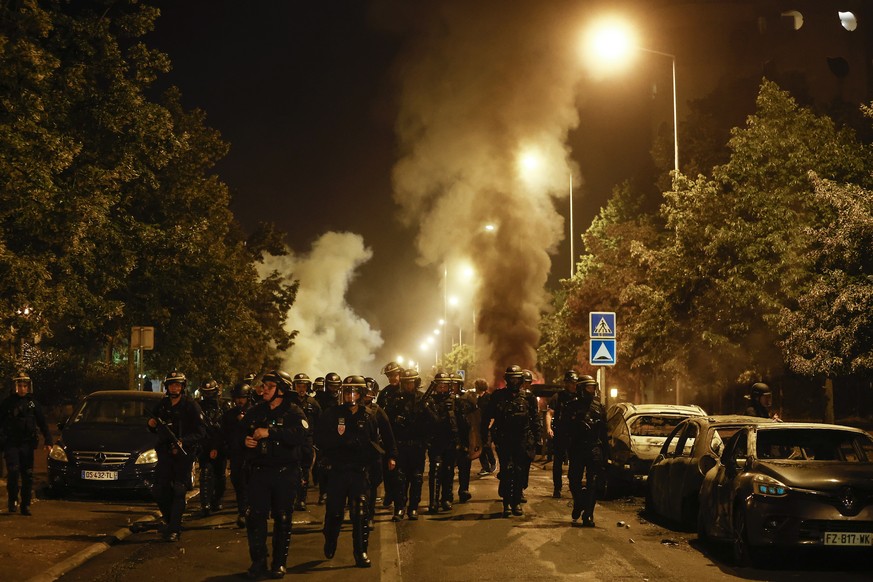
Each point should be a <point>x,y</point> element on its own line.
<point>790,485</point>
<point>690,451</point>
<point>106,444</point>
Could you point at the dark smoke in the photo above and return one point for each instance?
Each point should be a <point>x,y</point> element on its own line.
<point>483,84</point>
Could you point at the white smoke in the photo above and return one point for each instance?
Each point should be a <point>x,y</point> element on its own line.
<point>332,337</point>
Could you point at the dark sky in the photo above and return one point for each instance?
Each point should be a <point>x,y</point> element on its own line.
<point>306,94</point>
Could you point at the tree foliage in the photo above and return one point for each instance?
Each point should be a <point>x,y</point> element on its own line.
<point>110,213</point>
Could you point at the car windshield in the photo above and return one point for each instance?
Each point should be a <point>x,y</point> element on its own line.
<point>113,411</point>
<point>654,425</point>
<point>814,445</point>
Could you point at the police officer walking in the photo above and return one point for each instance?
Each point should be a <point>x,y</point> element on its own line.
<point>20,418</point>
<point>347,437</point>
<point>516,430</point>
<point>412,417</point>
<point>383,466</point>
<point>213,453</point>
<point>588,448</point>
<point>233,430</point>
<point>442,449</point>
<point>278,439</point>
<point>469,443</point>
<point>391,370</point>
<point>178,420</point>
<point>312,410</point>
<point>555,427</point>
<point>327,398</point>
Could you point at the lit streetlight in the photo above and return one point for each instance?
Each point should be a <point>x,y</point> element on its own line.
<point>613,42</point>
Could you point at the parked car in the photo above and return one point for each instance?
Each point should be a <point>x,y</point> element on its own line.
<point>636,434</point>
<point>691,450</point>
<point>789,485</point>
<point>106,444</point>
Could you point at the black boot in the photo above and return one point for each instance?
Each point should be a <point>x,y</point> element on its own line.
<point>360,539</point>
<point>256,530</point>
<point>506,510</point>
<point>464,496</point>
<point>413,513</point>
<point>332,527</point>
<point>281,543</point>
<point>399,514</point>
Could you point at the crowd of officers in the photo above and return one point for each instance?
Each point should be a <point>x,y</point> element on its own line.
<point>349,437</point>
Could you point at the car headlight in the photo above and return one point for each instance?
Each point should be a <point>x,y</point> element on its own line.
<point>768,486</point>
<point>147,457</point>
<point>58,454</point>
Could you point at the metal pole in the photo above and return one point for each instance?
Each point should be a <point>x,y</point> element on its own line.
<point>675,123</point>
<point>572,238</point>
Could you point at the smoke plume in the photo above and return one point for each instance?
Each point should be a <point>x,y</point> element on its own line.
<point>487,100</point>
<point>332,337</point>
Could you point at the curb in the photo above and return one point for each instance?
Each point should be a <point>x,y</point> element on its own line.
<point>95,549</point>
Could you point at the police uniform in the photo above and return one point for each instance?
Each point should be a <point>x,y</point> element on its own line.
<point>557,404</point>
<point>233,431</point>
<point>516,430</point>
<point>412,417</point>
<point>213,452</point>
<point>274,467</point>
<point>312,409</point>
<point>388,445</point>
<point>348,438</point>
<point>443,448</point>
<point>180,423</point>
<point>468,445</point>
<point>588,449</point>
<point>327,398</point>
<point>20,419</point>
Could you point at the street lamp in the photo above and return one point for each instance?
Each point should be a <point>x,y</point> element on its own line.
<point>613,42</point>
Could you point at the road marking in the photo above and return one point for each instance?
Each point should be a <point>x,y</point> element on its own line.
<point>390,567</point>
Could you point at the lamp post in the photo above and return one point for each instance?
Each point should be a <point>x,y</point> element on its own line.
<point>613,41</point>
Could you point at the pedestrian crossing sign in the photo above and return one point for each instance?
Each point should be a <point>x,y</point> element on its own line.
<point>601,324</point>
<point>602,352</point>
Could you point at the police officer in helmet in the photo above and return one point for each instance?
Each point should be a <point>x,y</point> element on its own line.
<point>347,436</point>
<point>213,453</point>
<point>556,428</point>
<point>760,399</point>
<point>277,441</point>
<point>310,406</point>
<point>588,449</point>
<point>233,432</point>
<point>20,418</point>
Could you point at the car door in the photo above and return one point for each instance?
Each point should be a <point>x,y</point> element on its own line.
<point>682,465</point>
<point>659,482</point>
<point>732,461</point>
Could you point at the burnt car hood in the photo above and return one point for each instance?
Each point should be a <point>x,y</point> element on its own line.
<point>98,437</point>
<point>818,475</point>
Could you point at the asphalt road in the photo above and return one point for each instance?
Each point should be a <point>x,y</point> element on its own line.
<point>472,542</point>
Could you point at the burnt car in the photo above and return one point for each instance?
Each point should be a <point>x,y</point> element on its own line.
<point>106,444</point>
<point>788,485</point>
<point>691,450</point>
<point>636,434</point>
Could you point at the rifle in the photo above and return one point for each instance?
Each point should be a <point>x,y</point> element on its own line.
<point>167,433</point>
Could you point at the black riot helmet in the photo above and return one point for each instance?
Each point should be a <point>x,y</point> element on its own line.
<point>353,385</point>
<point>318,384</point>
<point>282,380</point>
<point>442,381</point>
<point>586,381</point>
<point>22,378</point>
<point>526,376</point>
<point>759,389</point>
<point>209,390</point>
<point>241,390</point>
<point>372,386</point>
<point>391,367</point>
<point>571,377</point>
<point>410,375</point>
<point>457,382</point>
<point>514,376</point>
<point>333,382</point>
<point>304,380</point>
<point>175,377</point>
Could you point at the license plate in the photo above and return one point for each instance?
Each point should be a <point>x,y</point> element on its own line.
<point>839,538</point>
<point>100,475</point>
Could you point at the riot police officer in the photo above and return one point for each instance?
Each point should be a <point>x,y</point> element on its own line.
<point>383,466</point>
<point>233,426</point>
<point>347,437</point>
<point>412,417</point>
<point>760,399</point>
<point>391,370</point>
<point>556,430</point>
<point>178,420</point>
<point>20,418</point>
<point>516,430</point>
<point>527,392</point>
<point>213,453</point>
<point>277,441</point>
<point>469,444</point>
<point>588,448</point>
<point>310,406</point>
<point>443,446</point>
<point>326,398</point>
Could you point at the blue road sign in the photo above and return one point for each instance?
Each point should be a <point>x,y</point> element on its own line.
<point>602,352</point>
<point>601,324</point>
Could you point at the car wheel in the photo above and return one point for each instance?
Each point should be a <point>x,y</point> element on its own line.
<point>744,553</point>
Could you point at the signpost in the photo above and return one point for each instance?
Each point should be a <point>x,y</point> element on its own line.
<point>141,338</point>
<point>603,347</point>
